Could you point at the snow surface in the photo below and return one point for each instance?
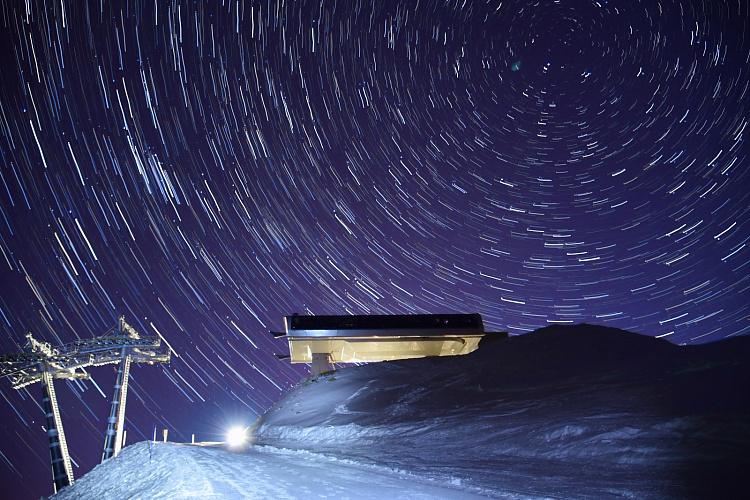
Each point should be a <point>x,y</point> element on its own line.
<point>564,412</point>
<point>168,471</point>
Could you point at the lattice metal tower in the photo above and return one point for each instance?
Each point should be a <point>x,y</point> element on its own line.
<point>40,362</point>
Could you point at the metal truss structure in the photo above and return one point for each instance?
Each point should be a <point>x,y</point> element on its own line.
<point>40,362</point>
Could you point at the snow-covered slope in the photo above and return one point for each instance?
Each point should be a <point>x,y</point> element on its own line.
<point>571,412</point>
<point>151,471</point>
<point>564,412</point>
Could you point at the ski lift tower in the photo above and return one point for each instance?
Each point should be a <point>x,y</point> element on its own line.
<point>40,362</point>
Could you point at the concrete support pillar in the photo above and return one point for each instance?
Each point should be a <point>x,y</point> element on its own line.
<point>319,363</point>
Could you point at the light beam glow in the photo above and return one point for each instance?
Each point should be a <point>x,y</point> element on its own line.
<point>236,437</point>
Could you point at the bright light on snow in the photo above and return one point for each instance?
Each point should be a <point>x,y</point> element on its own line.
<point>236,436</point>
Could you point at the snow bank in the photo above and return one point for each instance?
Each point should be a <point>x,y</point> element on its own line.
<point>579,412</point>
<point>172,471</point>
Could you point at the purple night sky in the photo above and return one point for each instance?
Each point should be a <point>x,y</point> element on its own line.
<point>205,168</point>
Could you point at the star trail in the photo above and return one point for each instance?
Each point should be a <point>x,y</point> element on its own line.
<point>205,168</point>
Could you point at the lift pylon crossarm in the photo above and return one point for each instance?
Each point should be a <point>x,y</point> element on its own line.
<point>103,343</point>
<point>66,359</point>
<point>22,381</point>
<point>14,363</point>
<point>97,344</point>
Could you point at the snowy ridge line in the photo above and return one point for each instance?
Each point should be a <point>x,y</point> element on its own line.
<point>320,434</point>
<point>135,471</point>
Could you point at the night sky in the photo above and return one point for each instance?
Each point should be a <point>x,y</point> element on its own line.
<point>205,168</point>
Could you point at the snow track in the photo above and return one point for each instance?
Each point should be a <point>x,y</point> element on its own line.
<point>172,471</point>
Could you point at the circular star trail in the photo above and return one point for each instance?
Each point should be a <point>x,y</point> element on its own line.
<point>205,168</point>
